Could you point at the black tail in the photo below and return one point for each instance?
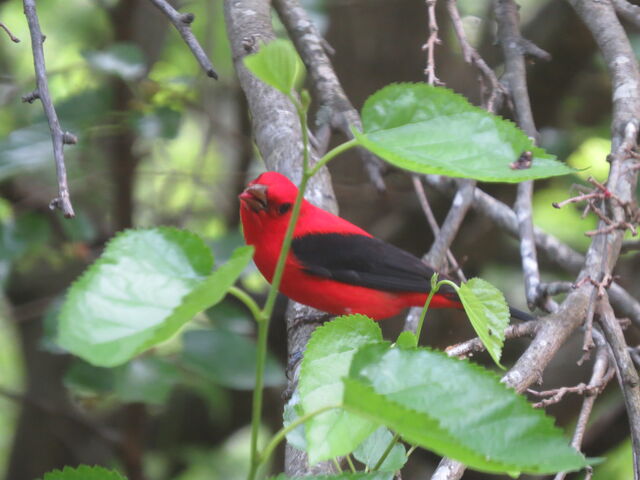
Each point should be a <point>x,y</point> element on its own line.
<point>520,315</point>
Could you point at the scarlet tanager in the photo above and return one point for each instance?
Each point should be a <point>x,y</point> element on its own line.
<point>334,265</point>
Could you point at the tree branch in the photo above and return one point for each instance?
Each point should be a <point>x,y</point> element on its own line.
<point>506,12</point>
<point>631,13</point>
<point>12,37</point>
<point>182,22</point>
<point>278,136</point>
<point>335,109</point>
<point>627,374</point>
<point>59,138</point>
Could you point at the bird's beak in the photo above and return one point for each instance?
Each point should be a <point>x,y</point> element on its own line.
<point>255,197</point>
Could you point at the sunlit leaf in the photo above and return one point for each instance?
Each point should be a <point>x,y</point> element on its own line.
<point>146,285</point>
<point>277,64</point>
<point>429,129</point>
<point>488,313</point>
<point>458,409</point>
<point>326,359</point>
<point>227,358</point>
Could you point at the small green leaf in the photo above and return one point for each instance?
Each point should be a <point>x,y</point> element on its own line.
<point>488,312</point>
<point>277,64</point>
<point>296,437</point>
<point>458,409</point>
<point>371,450</point>
<point>326,359</point>
<point>433,130</point>
<point>83,472</point>
<point>124,60</point>
<point>227,358</point>
<point>407,339</point>
<point>146,285</point>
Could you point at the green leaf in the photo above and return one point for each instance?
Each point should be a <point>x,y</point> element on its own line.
<point>326,359</point>
<point>146,285</point>
<point>83,472</point>
<point>124,60</point>
<point>340,476</point>
<point>277,64</point>
<point>407,339</point>
<point>433,130</point>
<point>371,450</point>
<point>488,312</point>
<point>85,380</point>
<point>458,409</point>
<point>147,379</point>
<point>296,437</point>
<point>228,359</point>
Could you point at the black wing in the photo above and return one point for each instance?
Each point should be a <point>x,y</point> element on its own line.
<point>363,261</point>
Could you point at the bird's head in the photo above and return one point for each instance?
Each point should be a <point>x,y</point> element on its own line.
<point>271,193</point>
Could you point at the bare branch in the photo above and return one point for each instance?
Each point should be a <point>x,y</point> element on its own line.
<point>515,76</point>
<point>471,55</point>
<point>631,13</point>
<point>627,374</point>
<point>13,38</point>
<point>59,138</point>
<point>335,110</point>
<point>600,373</point>
<point>182,22</point>
<point>431,219</point>
<point>430,44</point>
<point>466,349</point>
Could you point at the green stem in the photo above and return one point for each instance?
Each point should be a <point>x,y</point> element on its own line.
<point>387,451</point>
<point>284,431</point>
<point>351,465</point>
<point>245,298</point>
<point>423,313</point>
<point>331,154</point>
<point>337,465</point>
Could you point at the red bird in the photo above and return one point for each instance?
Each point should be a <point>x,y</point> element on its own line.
<point>333,265</point>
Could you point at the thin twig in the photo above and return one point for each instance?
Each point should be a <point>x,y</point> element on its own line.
<point>430,44</point>
<point>59,138</point>
<point>13,38</point>
<point>471,55</point>
<point>433,223</point>
<point>517,330</point>
<point>182,22</point>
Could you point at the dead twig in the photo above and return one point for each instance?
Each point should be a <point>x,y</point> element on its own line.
<point>13,38</point>
<point>59,138</point>
<point>182,22</point>
<point>430,44</point>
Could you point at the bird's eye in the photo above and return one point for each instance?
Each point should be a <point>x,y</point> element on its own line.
<point>284,208</point>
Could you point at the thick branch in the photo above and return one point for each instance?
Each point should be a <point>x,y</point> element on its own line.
<point>631,13</point>
<point>59,138</point>
<point>182,22</point>
<point>335,109</point>
<point>278,136</point>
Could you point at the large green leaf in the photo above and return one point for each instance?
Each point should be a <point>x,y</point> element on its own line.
<point>326,360</point>
<point>488,312</point>
<point>457,409</point>
<point>227,358</point>
<point>83,472</point>
<point>429,129</point>
<point>277,64</point>
<point>146,285</point>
